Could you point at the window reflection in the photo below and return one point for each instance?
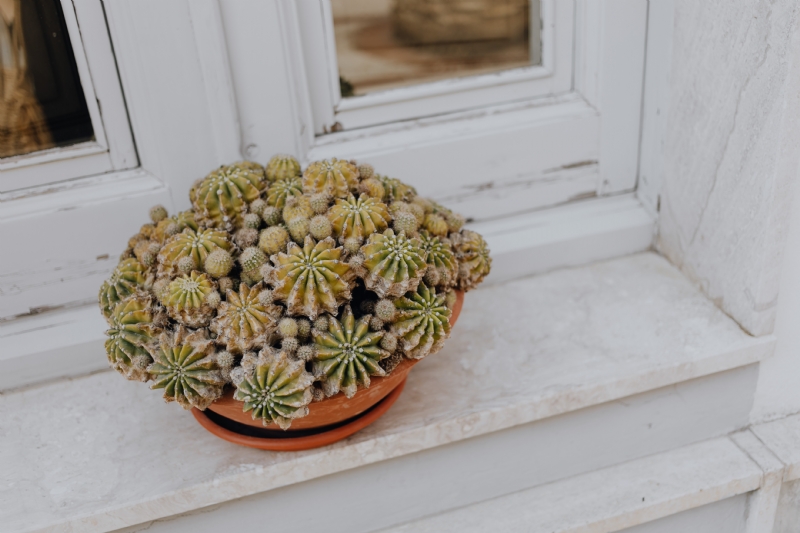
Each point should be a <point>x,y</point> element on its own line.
<point>383,44</point>
<point>41,100</point>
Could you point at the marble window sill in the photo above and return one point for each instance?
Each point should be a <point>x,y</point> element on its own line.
<point>98,453</point>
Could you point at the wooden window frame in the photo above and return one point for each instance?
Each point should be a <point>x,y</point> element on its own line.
<point>113,148</point>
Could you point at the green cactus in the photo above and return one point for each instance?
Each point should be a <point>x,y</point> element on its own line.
<point>393,264</point>
<point>281,190</point>
<point>273,240</point>
<point>436,225</point>
<point>133,331</point>
<point>277,389</point>
<point>186,369</point>
<point>228,269</point>
<point>336,177</point>
<point>474,263</point>
<point>186,299</point>
<point>422,323</point>
<point>218,263</point>
<point>353,218</point>
<point>311,279</point>
<point>396,190</point>
<point>282,167</point>
<point>252,260</point>
<point>297,207</point>
<point>439,256</point>
<point>373,188</point>
<point>158,213</point>
<point>347,354</point>
<point>221,198</point>
<point>243,322</point>
<point>251,166</point>
<point>197,245</point>
<point>129,276</point>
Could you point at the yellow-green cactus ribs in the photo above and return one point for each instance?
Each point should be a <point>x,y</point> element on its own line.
<point>353,218</point>
<point>186,369</point>
<point>186,299</point>
<point>281,190</point>
<point>396,190</point>
<point>277,389</point>
<point>440,257</point>
<point>129,276</point>
<point>132,333</point>
<point>347,354</point>
<point>423,322</point>
<point>243,321</point>
<point>336,177</point>
<point>221,198</point>
<point>197,245</point>
<point>312,279</point>
<point>393,264</point>
<point>474,262</point>
<point>282,167</point>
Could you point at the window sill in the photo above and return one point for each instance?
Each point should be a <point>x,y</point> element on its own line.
<point>98,453</point>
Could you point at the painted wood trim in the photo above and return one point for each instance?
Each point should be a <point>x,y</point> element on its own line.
<point>113,146</point>
<point>212,50</point>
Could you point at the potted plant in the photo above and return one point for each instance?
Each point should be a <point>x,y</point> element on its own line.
<point>286,308</point>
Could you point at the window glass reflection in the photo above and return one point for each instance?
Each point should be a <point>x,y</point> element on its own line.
<point>41,100</point>
<point>383,44</point>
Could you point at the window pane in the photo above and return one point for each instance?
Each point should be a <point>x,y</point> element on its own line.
<point>382,44</point>
<point>41,100</point>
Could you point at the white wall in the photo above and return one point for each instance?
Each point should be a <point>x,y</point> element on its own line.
<point>778,392</point>
<point>731,151</point>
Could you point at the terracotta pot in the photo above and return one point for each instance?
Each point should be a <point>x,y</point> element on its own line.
<point>328,421</point>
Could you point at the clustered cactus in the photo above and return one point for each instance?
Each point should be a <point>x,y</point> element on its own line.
<point>288,285</point>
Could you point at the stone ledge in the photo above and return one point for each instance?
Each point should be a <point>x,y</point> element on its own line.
<point>99,453</point>
<point>610,499</point>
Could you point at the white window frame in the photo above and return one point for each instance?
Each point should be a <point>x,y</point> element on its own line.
<point>476,160</point>
<point>333,113</point>
<point>113,147</point>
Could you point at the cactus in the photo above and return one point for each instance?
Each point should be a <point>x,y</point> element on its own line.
<point>283,189</point>
<point>291,294</point>
<point>243,321</point>
<point>251,260</point>
<point>353,218</point>
<point>251,166</point>
<point>396,190</point>
<point>474,263</point>
<point>297,207</point>
<point>282,167</point>
<point>335,177</point>
<point>184,366</point>
<point>186,299</point>
<point>221,198</point>
<point>372,187</point>
<point>347,354</point>
<point>405,222</point>
<point>423,322</point>
<point>273,240</point>
<point>393,264</point>
<point>133,330</point>
<point>158,213</point>
<point>197,245</point>
<point>311,279</point>
<point>129,276</point>
<point>218,263</point>
<point>277,389</point>
<point>440,258</point>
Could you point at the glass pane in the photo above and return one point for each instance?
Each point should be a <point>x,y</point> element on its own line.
<point>41,99</point>
<point>382,44</point>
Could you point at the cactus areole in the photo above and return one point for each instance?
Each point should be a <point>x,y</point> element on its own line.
<point>286,308</point>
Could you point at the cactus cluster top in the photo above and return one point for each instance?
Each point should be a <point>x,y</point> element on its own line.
<point>288,285</point>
